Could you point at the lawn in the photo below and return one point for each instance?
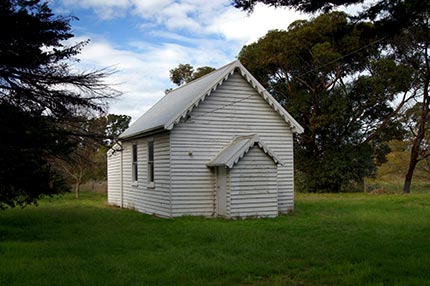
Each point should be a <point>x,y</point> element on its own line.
<point>344,239</point>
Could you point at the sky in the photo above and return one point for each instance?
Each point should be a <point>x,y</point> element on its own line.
<point>144,39</point>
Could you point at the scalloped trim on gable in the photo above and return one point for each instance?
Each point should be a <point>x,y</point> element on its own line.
<point>291,122</point>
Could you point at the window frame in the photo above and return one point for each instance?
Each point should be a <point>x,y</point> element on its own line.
<point>134,164</point>
<point>151,163</point>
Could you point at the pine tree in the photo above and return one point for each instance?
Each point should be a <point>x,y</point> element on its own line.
<point>41,97</point>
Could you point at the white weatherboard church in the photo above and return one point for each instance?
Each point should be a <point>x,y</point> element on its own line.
<point>220,145</point>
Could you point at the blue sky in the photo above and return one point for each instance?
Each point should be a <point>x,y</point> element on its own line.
<point>144,39</point>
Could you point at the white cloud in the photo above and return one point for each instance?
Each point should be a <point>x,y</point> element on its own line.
<point>208,18</point>
<point>179,16</point>
<point>236,25</point>
<point>185,31</point>
<point>106,9</point>
<point>143,74</point>
<point>147,8</point>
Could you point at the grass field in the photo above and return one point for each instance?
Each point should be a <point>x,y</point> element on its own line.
<point>344,239</point>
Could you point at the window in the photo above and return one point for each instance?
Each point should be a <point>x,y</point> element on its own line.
<point>151,163</point>
<point>134,163</point>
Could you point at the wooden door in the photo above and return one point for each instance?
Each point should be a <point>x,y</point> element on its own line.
<point>222,191</point>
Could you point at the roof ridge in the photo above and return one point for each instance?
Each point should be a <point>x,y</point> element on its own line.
<point>175,105</point>
<point>202,77</point>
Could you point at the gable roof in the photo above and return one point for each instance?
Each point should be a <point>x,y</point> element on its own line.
<point>178,103</point>
<point>237,149</point>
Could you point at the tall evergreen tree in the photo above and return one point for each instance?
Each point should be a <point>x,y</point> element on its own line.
<point>40,98</point>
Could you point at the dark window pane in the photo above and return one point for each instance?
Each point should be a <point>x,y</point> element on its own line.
<point>134,163</point>
<point>151,151</point>
<point>151,161</point>
<point>135,178</point>
<point>134,153</point>
<point>151,171</point>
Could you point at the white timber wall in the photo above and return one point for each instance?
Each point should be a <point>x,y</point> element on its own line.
<point>253,186</point>
<point>141,196</point>
<point>234,109</point>
<point>114,177</point>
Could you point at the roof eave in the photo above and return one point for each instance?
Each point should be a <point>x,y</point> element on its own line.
<point>240,153</point>
<point>146,132</point>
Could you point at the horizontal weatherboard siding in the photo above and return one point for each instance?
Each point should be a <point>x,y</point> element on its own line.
<point>233,109</point>
<point>114,177</point>
<point>253,186</point>
<point>141,196</point>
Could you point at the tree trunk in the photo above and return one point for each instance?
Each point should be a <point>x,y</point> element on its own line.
<point>410,173</point>
<point>77,189</point>
<point>416,145</point>
<point>415,151</point>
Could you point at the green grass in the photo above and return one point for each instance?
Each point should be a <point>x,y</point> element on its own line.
<point>396,186</point>
<point>337,239</point>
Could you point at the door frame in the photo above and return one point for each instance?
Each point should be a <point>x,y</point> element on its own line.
<point>221,191</point>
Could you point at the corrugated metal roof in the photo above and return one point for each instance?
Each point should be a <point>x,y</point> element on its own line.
<point>235,151</point>
<point>175,105</point>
